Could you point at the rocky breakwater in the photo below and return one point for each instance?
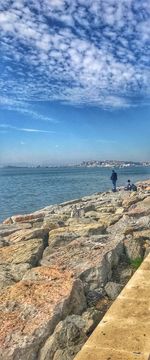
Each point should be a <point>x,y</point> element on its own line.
<point>61,268</point>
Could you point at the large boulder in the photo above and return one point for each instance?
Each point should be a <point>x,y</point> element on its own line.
<point>31,309</point>
<point>69,336</point>
<point>84,256</point>
<point>23,252</point>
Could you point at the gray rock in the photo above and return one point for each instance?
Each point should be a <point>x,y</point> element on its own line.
<point>94,296</point>
<point>96,277</point>
<point>10,274</point>
<point>3,242</point>
<point>126,274</point>
<point>19,270</point>
<point>6,278</point>
<point>113,290</point>
<point>66,341</point>
<point>92,318</point>
<point>133,248</point>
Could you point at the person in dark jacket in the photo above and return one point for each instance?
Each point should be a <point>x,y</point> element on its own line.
<point>114,180</point>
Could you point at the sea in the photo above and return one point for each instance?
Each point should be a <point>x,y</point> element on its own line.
<point>25,190</point>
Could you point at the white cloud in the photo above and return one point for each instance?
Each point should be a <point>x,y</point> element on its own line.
<point>29,130</point>
<point>79,51</point>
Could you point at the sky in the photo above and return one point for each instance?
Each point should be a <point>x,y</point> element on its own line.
<point>74,81</point>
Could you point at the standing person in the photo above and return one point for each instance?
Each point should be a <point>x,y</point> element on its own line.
<point>114,180</point>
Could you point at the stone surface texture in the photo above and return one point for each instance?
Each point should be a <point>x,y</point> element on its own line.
<point>60,270</point>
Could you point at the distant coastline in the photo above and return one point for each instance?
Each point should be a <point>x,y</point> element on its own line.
<point>85,164</point>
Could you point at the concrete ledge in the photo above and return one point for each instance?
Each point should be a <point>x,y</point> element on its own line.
<point>124,332</point>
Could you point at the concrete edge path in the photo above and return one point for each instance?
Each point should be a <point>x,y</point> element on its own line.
<point>124,332</point>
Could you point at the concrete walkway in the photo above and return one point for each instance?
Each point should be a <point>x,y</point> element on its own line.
<point>124,332</point>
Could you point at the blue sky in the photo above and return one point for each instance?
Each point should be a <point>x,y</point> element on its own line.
<point>74,80</point>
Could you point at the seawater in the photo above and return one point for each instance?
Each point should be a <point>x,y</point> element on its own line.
<point>24,190</point>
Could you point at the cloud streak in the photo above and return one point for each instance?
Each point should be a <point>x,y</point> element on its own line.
<point>24,108</point>
<point>28,130</point>
<point>80,52</point>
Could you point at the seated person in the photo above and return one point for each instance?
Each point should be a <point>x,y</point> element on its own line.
<point>130,187</point>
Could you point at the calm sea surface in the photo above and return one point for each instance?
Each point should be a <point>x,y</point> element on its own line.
<point>24,190</point>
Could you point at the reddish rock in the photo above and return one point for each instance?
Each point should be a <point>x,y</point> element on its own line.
<point>27,217</point>
<point>31,309</point>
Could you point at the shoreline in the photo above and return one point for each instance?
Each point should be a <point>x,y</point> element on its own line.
<point>61,268</point>
<point>27,191</point>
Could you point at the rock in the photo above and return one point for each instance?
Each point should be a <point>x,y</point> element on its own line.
<point>96,277</point>
<point>50,225</point>
<point>43,273</point>
<point>61,236</point>
<point>10,274</point>
<point>82,221</point>
<point>3,242</point>
<point>143,223</point>
<point>94,296</point>
<point>27,217</point>
<point>30,311</point>
<point>28,234</point>
<point>142,209</point>
<point>131,199</point>
<point>127,225</point>
<point>76,212</point>
<point>147,250</point>
<point>91,317</point>
<point>119,211</point>
<point>133,248</point>
<point>67,340</point>
<point>106,209</point>
<point>113,258</point>
<point>90,207</point>
<point>23,252</point>
<point>6,279</point>
<point>19,270</point>
<point>8,221</point>
<point>83,257</point>
<point>6,230</point>
<point>93,215</point>
<point>142,235</point>
<point>113,290</point>
<point>126,274</point>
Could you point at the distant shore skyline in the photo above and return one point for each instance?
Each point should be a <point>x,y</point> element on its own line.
<point>88,163</point>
